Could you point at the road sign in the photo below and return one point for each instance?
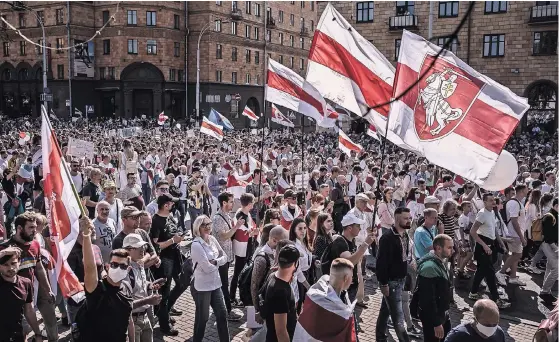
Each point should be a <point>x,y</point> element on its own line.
<point>227,98</point>
<point>67,103</point>
<point>89,109</point>
<point>46,97</point>
<point>237,97</point>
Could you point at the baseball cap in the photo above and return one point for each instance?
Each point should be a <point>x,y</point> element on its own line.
<point>350,219</point>
<point>130,211</point>
<point>288,254</point>
<point>164,198</point>
<point>109,184</point>
<point>195,169</point>
<point>133,240</point>
<point>432,200</point>
<point>24,172</point>
<point>289,194</point>
<point>361,197</point>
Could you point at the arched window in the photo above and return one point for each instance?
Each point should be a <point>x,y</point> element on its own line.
<point>542,98</point>
<point>23,74</point>
<point>7,75</point>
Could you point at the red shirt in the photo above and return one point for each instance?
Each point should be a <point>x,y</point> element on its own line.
<point>30,256</point>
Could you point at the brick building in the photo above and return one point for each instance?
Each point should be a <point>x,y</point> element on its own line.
<point>513,42</point>
<point>136,65</point>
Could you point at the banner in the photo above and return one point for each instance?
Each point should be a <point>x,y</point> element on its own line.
<point>81,148</point>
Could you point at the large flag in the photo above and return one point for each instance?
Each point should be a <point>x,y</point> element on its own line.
<point>325,317</point>
<point>287,88</point>
<point>250,114</point>
<point>62,209</point>
<point>456,117</point>
<point>279,118</point>
<point>220,120</point>
<point>211,129</point>
<point>237,184</point>
<point>349,70</point>
<point>346,145</point>
<point>372,132</point>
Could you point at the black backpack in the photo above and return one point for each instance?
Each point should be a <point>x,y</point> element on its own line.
<point>503,211</point>
<point>325,260</point>
<point>245,279</point>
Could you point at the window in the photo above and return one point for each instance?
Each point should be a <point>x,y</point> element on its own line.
<point>291,19</point>
<point>312,25</point>
<point>247,56</point>
<point>106,17</point>
<point>4,25</point>
<point>234,54</point>
<point>218,26</point>
<point>152,47</point>
<point>132,18</point>
<point>213,98</point>
<point>365,11</point>
<point>312,5</point>
<point>302,23</point>
<point>218,51</point>
<point>101,73</point>
<point>133,46</point>
<point>247,6</point>
<point>40,46</point>
<point>268,35</point>
<point>292,2</point>
<point>495,7</point>
<point>59,45</point>
<point>6,48</point>
<point>247,31</point>
<point>106,46</point>
<point>545,43</point>
<point>60,71</point>
<point>281,59</point>
<point>180,76</point>
<point>257,10</point>
<point>453,46</point>
<point>111,73</point>
<point>256,57</point>
<point>448,9</point>
<point>234,78</point>
<point>218,3</point>
<point>40,18</point>
<point>302,64</point>
<point>291,62</point>
<point>405,7</point>
<point>234,5</point>
<point>59,16</point>
<point>234,28</point>
<point>257,33</point>
<point>280,38</point>
<point>302,41</point>
<point>397,49</point>
<point>177,49</point>
<point>218,75</point>
<point>247,78</point>
<point>280,16</point>
<point>235,107</point>
<point>172,75</point>
<point>493,45</point>
<point>257,81</point>
<point>22,48</point>
<point>302,4</point>
<point>291,41</point>
<point>151,18</point>
<point>177,22</point>
<point>22,20</point>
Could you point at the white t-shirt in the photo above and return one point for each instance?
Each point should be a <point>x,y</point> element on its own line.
<point>514,209</point>
<point>464,224</point>
<point>78,181</point>
<point>546,188</point>
<point>487,220</point>
<point>181,182</point>
<point>444,193</point>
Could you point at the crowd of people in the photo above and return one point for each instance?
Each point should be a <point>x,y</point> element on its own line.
<point>289,216</point>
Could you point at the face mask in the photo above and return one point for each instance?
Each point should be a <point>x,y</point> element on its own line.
<point>486,331</point>
<point>117,274</point>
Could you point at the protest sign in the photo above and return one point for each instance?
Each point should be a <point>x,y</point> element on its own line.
<point>300,180</point>
<point>129,131</point>
<point>80,148</point>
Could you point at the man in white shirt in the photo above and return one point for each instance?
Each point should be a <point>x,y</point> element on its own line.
<point>443,192</point>
<point>354,184</point>
<point>77,176</point>
<point>549,184</point>
<point>181,182</point>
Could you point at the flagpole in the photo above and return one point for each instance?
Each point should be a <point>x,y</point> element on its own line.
<point>303,156</point>
<point>263,123</point>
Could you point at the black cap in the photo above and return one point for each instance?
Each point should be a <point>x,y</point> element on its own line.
<point>164,198</point>
<point>195,169</point>
<point>288,254</point>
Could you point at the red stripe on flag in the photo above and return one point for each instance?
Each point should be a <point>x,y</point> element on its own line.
<point>60,222</point>
<point>328,52</point>
<point>212,128</point>
<point>348,144</point>
<point>324,325</point>
<point>282,84</point>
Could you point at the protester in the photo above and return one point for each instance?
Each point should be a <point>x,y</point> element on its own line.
<point>91,192</point>
<point>549,248</point>
<point>484,327</point>
<point>305,275</point>
<point>105,229</point>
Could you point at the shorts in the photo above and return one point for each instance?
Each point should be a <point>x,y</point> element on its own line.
<point>515,246</point>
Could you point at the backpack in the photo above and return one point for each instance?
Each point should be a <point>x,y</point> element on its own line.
<point>503,211</point>
<point>245,279</point>
<point>325,260</point>
<point>537,228</point>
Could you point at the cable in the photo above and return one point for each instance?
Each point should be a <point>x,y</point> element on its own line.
<point>80,45</point>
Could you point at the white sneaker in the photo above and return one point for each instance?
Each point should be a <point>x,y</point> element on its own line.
<point>501,279</point>
<point>483,283</point>
<point>534,270</point>
<point>516,281</point>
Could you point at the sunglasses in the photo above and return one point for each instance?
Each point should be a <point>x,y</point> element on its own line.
<point>205,224</point>
<point>115,265</point>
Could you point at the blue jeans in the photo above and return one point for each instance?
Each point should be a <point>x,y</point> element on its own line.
<point>146,193</point>
<point>203,300</point>
<point>392,306</point>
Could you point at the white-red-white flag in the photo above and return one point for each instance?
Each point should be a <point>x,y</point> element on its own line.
<point>279,118</point>
<point>237,184</point>
<point>372,132</point>
<point>250,114</point>
<point>330,118</point>
<point>162,118</point>
<point>346,145</point>
<point>456,117</point>
<point>325,317</point>
<point>211,129</point>
<point>62,208</point>
<point>349,70</point>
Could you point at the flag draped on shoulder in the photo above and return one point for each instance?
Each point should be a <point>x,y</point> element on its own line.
<point>456,117</point>
<point>62,208</point>
<point>220,120</point>
<point>325,317</point>
<point>346,145</point>
<point>279,118</point>
<point>250,114</point>
<point>211,129</point>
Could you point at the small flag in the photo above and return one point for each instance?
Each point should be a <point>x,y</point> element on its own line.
<point>346,145</point>
<point>279,118</point>
<point>220,120</point>
<point>250,114</point>
<point>211,129</point>
<point>162,118</point>
<point>78,112</point>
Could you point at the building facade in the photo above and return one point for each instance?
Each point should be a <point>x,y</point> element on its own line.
<point>513,42</point>
<point>136,63</point>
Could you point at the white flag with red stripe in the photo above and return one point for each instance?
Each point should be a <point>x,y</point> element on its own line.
<point>348,70</point>
<point>62,209</point>
<point>250,114</point>
<point>346,145</point>
<point>211,129</point>
<point>237,184</point>
<point>279,118</point>
<point>330,118</point>
<point>372,132</point>
<point>456,117</point>
<point>325,317</point>
<point>162,118</point>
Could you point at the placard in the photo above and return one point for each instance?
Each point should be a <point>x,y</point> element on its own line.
<point>299,183</point>
<point>80,148</point>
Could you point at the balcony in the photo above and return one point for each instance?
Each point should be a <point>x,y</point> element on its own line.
<point>400,22</point>
<point>543,14</point>
<point>236,14</point>
<point>270,23</point>
<point>304,31</point>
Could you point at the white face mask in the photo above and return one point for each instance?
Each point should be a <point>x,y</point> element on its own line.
<point>486,331</point>
<point>117,274</point>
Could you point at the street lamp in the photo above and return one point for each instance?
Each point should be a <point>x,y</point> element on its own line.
<point>204,29</point>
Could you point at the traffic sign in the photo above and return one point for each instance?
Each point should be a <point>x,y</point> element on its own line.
<point>89,109</point>
<point>237,97</point>
<point>46,97</point>
<point>67,103</point>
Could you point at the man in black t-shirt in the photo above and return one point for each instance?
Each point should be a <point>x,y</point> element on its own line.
<point>92,191</point>
<point>279,300</point>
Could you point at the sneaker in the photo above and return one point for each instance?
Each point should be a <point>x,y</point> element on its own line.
<point>236,303</point>
<point>474,296</point>
<point>172,320</point>
<point>534,270</point>
<point>414,332</point>
<point>516,281</point>
<point>234,316</point>
<point>501,279</point>
<point>170,332</point>
<point>175,312</point>
<point>501,304</point>
<point>547,297</point>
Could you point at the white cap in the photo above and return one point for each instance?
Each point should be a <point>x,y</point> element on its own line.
<point>134,241</point>
<point>350,219</point>
<point>432,200</point>
<point>24,173</point>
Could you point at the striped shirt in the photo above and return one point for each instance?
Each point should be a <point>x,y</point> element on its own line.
<point>450,224</point>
